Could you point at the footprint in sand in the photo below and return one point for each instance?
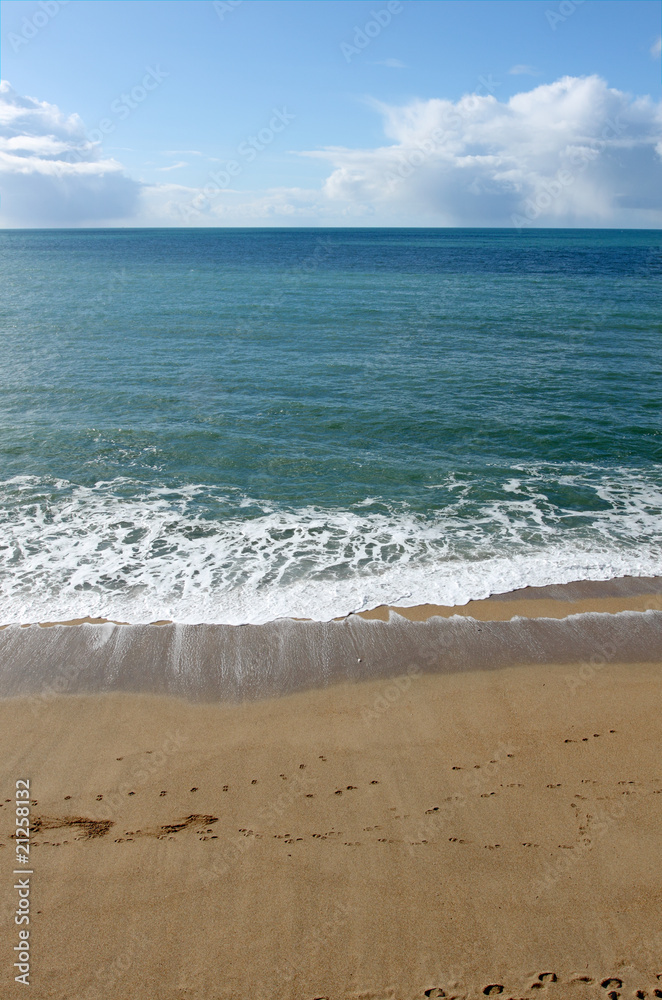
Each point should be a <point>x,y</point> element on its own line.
<point>168,829</point>
<point>435,991</point>
<point>543,977</point>
<point>162,793</point>
<point>89,828</point>
<point>493,989</point>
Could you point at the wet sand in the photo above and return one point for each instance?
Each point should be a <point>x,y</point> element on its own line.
<point>231,663</point>
<point>394,806</point>
<point>434,835</point>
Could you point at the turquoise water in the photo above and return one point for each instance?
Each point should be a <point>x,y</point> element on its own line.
<point>238,425</point>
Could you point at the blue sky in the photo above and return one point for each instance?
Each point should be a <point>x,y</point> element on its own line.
<point>330,113</point>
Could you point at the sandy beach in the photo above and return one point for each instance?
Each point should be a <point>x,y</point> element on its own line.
<point>434,832</point>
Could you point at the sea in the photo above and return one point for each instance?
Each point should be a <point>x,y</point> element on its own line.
<point>241,425</point>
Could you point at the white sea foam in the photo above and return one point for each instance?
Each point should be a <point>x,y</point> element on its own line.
<point>121,551</point>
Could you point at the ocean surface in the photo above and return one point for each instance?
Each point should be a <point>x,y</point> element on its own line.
<point>242,425</point>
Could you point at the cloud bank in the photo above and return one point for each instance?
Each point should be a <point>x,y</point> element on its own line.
<point>571,153</point>
<point>568,153</point>
<point>51,174</point>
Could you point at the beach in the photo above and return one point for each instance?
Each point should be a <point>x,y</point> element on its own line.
<point>427,827</point>
<point>478,829</point>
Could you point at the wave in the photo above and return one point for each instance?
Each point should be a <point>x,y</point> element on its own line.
<point>136,552</point>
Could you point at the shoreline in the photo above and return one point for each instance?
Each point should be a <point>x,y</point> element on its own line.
<point>210,663</point>
<point>627,593</point>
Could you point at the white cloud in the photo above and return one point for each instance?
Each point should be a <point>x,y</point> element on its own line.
<point>574,152</point>
<point>391,63</point>
<point>179,205</point>
<point>569,153</point>
<point>50,173</point>
<point>523,70</point>
<point>175,166</point>
<point>180,152</point>
<point>656,48</point>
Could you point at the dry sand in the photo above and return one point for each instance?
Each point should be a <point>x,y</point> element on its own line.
<point>386,840</point>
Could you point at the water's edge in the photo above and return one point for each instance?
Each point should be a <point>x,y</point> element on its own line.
<point>230,663</point>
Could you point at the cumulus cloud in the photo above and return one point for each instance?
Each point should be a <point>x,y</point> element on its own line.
<point>50,173</point>
<point>568,153</point>
<point>573,152</point>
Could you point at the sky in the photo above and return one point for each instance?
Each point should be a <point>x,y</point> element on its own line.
<point>330,113</point>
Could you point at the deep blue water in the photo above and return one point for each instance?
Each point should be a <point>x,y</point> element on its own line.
<point>235,425</point>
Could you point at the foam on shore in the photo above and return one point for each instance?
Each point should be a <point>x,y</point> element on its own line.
<point>135,552</point>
